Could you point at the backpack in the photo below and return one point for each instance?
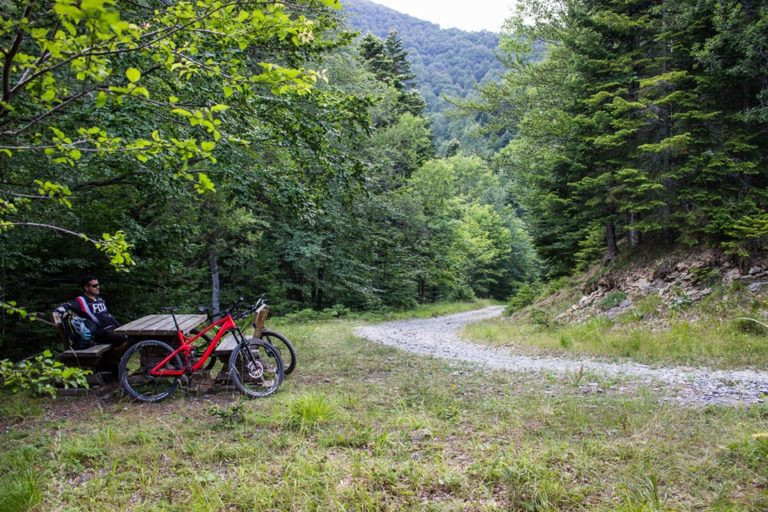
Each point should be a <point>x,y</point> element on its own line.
<point>79,331</point>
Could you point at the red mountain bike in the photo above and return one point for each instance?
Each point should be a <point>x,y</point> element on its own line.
<point>150,371</point>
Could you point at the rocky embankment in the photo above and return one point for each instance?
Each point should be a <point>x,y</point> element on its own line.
<point>676,282</point>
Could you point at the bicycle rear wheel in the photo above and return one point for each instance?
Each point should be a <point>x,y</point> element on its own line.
<point>136,364</point>
<point>283,346</point>
<point>256,369</point>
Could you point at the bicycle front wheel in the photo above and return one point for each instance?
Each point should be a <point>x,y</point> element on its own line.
<point>283,346</point>
<point>136,364</point>
<point>256,369</point>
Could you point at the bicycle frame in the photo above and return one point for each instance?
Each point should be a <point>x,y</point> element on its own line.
<point>226,324</point>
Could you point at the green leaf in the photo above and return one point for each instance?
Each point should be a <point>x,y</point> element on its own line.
<point>204,184</point>
<point>140,91</point>
<point>133,74</point>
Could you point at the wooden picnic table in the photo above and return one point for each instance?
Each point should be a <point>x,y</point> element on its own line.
<point>160,325</point>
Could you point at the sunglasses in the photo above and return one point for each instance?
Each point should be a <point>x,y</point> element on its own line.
<point>94,285</point>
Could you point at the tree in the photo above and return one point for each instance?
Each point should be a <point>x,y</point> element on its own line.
<point>64,60</point>
<point>388,61</point>
<point>643,119</point>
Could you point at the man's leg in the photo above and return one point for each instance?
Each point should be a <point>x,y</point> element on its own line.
<point>120,343</point>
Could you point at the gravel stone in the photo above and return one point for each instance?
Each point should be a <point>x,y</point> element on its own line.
<point>438,337</point>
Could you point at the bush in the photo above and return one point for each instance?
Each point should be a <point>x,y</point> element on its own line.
<point>541,318</point>
<point>612,300</point>
<point>309,315</point>
<point>42,375</point>
<point>463,293</point>
<point>525,296</point>
<point>229,415</point>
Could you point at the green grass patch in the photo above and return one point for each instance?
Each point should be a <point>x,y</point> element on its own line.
<point>360,426</point>
<point>724,330</point>
<point>422,311</point>
<point>719,344</point>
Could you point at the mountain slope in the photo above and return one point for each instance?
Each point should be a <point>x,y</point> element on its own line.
<point>445,61</point>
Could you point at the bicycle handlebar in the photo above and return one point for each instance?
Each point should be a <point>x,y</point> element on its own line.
<point>250,309</point>
<point>231,310</point>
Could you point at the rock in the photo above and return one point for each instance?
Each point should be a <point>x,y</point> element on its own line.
<point>681,267</point>
<point>625,306</point>
<point>699,294</point>
<point>732,274</point>
<point>755,270</point>
<point>755,287</point>
<point>642,284</point>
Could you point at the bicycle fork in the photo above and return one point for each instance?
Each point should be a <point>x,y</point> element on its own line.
<point>251,363</point>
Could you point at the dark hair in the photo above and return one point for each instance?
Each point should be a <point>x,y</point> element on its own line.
<point>85,280</point>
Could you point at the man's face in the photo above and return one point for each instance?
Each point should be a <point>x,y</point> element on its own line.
<point>93,287</point>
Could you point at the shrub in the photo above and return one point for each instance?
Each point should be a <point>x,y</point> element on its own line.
<point>309,315</point>
<point>228,415</point>
<point>525,296</point>
<point>680,300</point>
<point>612,300</point>
<point>42,375</point>
<point>541,318</point>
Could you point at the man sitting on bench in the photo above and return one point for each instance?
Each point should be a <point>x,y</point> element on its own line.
<point>93,309</point>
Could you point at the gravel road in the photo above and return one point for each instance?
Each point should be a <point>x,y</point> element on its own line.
<point>439,337</point>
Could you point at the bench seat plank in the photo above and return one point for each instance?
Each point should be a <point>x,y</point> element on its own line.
<point>226,345</point>
<point>90,352</point>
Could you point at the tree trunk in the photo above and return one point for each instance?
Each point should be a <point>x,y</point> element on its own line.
<point>612,248</point>
<point>319,289</point>
<point>215,283</point>
<point>634,234</point>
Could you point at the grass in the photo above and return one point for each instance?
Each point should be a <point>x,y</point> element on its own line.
<point>706,333</point>
<point>360,426</point>
<point>423,311</point>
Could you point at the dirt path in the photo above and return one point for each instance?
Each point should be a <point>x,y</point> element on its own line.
<point>439,337</point>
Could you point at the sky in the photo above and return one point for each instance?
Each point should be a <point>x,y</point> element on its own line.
<point>471,15</point>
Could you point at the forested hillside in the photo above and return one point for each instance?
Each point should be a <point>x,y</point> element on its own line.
<point>445,61</point>
<point>645,126</point>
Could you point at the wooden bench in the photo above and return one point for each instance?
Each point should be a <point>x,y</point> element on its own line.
<point>85,358</point>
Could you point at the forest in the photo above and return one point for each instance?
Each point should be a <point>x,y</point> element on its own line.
<point>195,152</point>
<point>447,64</point>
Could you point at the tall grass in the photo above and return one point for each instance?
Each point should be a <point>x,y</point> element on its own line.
<point>705,334</point>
